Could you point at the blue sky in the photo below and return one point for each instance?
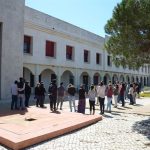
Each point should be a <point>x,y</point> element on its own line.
<point>91,15</point>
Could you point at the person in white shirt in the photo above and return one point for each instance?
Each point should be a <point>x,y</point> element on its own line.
<point>131,94</point>
<point>101,96</point>
<point>14,93</point>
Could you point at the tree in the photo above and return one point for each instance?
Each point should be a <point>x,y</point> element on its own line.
<point>129,30</point>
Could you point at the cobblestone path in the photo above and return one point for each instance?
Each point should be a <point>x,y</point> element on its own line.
<point>117,131</point>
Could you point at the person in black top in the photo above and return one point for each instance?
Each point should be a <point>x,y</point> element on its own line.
<point>53,95</point>
<point>27,93</point>
<point>37,94</point>
<point>82,101</point>
<point>42,92</point>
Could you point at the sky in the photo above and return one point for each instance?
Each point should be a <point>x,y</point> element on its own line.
<point>91,15</point>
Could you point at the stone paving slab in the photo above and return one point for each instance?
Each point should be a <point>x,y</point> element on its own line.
<point>17,133</point>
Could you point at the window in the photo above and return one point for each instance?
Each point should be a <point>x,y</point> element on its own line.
<point>27,44</point>
<point>86,56</point>
<point>69,52</point>
<point>50,49</point>
<point>98,58</point>
<point>109,63</point>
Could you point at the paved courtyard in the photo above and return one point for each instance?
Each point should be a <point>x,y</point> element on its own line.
<point>123,129</point>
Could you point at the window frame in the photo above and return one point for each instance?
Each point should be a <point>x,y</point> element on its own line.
<point>68,57</point>
<point>30,48</point>
<point>53,48</point>
<point>86,57</point>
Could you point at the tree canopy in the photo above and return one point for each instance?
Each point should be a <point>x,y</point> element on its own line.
<point>129,30</point>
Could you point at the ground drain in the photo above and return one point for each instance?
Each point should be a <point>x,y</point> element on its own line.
<point>30,119</point>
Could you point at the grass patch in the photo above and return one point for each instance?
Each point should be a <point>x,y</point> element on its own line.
<point>145,94</point>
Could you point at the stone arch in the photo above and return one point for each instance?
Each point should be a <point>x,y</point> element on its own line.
<point>67,77</point>
<point>96,78</point>
<point>114,78</point>
<point>106,78</point>
<point>46,76</point>
<point>127,79</point>
<point>28,76</point>
<point>121,78</point>
<point>43,68</point>
<point>132,79</point>
<point>137,79</point>
<point>85,80</point>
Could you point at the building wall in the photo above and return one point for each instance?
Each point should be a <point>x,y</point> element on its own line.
<point>43,27</point>
<point>12,21</point>
<point>16,20</point>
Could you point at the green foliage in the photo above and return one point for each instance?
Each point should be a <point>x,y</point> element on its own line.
<point>129,30</point>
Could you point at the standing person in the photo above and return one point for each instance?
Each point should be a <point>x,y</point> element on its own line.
<point>116,92</point>
<point>21,92</point>
<point>138,90</point>
<point>122,91</point>
<point>109,93</point>
<point>127,91</point>
<point>37,94</point>
<point>101,96</point>
<point>82,100</point>
<point>53,95</point>
<point>92,95</point>
<point>97,99</point>
<point>134,92</point>
<point>71,96</point>
<point>61,93</point>
<point>42,92</point>
<point>14,93</point>
<point>27,93</point>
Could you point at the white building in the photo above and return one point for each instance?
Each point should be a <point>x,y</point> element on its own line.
<point>40,47</point>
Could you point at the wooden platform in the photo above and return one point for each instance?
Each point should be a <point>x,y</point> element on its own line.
<point>20,129</point>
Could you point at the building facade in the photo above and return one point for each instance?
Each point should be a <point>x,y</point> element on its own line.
<point>40,47</point>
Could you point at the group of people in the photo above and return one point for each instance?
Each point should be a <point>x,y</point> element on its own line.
<point>21,92</point>
<point>112,93</point>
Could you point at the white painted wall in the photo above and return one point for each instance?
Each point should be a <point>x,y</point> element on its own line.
<point>12,18</point>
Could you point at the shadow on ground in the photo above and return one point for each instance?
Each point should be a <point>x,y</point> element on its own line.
<point>143,127</point>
